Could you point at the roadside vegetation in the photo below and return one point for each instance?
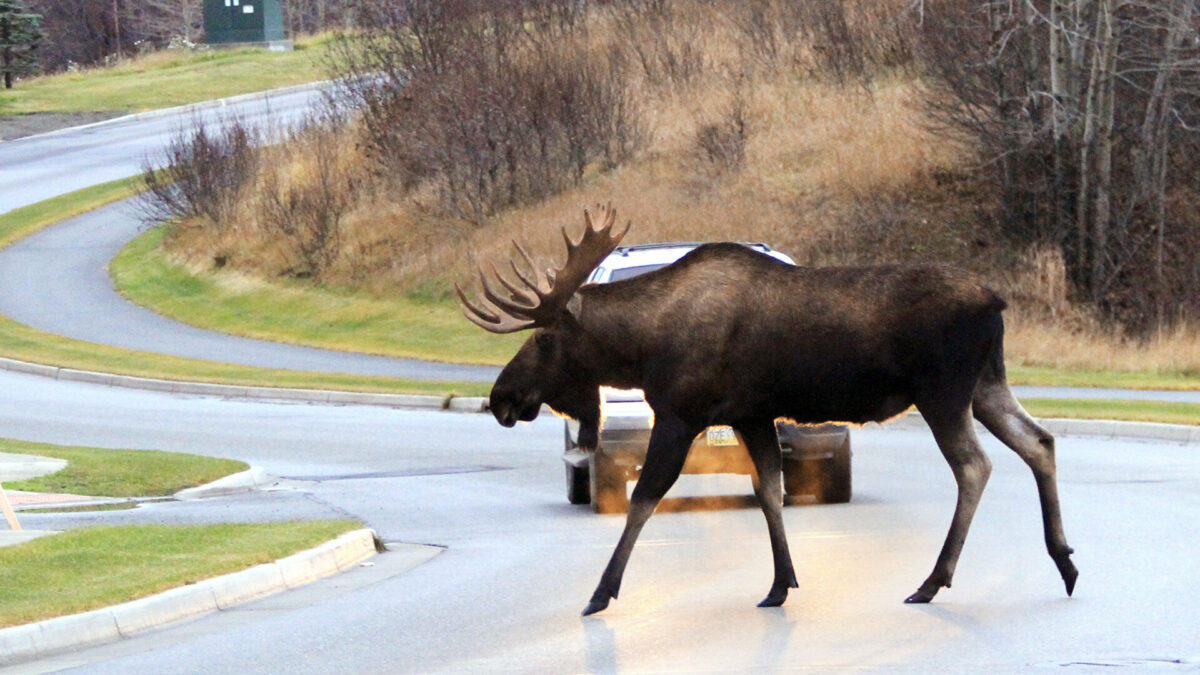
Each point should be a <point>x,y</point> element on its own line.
<point>723,125</point>
<point>343,318</point>
<point>167,78</point>
<point>89,568</point>
<point>100,472</point>
<point>820,128</point>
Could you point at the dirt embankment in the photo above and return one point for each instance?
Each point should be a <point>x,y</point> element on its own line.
<point>13,127</point>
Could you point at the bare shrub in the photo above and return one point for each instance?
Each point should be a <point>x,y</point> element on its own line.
<point>722,142</point>
<point>204,172</point>
<point>844,41</point>
<point>883,228</point>
<point>659,37</point>
<point>494,104</point>
<point>306,208</point>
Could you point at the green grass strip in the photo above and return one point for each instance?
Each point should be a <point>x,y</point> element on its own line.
<point>301,313</point>
<point>21,342</point>
<point>101,472</point>
<point>26,220</point>
<point>168,78</point>
<point>89,568</point>
<point>1106,409</point>
<point>1104,379</point>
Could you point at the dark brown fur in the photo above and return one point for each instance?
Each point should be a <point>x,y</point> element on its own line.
<point>730,336</point>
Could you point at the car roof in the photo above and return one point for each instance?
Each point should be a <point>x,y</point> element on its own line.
<point>642,255</point>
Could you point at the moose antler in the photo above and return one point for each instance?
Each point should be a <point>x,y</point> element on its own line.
<point>541,297</point>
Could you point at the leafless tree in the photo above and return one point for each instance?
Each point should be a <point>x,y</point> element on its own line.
<point>166,19</point>
<point>1087,112</point>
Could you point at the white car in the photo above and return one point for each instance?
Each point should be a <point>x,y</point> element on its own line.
<point>816,459</point>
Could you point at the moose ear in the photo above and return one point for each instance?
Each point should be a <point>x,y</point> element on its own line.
<point>575,305</point>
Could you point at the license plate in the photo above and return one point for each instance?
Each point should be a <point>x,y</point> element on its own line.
<point>720,436</point>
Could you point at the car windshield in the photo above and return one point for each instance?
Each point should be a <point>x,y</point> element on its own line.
<point>630,272</point>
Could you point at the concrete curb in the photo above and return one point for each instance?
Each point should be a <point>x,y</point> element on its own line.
<point>454,403</point>
<point>35,640</point>
<point>244,481</point>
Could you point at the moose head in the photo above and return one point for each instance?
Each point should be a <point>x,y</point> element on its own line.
<point>560,364</point>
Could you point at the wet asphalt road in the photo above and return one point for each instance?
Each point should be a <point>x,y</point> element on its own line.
<point>514,564</point>
<point>39,167</point>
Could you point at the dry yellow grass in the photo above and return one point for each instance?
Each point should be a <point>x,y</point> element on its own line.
<point>1043,344</point>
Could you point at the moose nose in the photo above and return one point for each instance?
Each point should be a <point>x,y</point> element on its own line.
<point>507,417</point>
<point>503,408</point>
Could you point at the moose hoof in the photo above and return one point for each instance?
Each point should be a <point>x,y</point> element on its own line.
<point>1069,575</point>
<point>919,598</point>
<point>595,606</point>
<point>773,601</point>
<point>1066,568</point>
<point>775,598</point>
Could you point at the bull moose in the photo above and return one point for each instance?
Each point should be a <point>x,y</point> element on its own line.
<point>734,337</point>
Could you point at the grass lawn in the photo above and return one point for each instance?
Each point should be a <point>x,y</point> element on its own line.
<point>300,313</point>
<point>167,78</point>
<point>1102,409</point>
<point>94,567</point>
<point>1105,379</point>
<point>119,473</point>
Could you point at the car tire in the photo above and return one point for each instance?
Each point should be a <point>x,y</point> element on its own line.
<point>607,484</point>
<point>579,490</point>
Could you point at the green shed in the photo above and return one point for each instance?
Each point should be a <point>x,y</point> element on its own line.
<point>244,21</point>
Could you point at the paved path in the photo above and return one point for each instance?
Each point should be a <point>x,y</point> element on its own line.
<point>1100,393</point>
<point>36,168</point>
<point>57,281</point>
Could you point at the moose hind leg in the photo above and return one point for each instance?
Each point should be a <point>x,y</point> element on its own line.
<point>768,487</point>
<point>955,436</point>
<point>998,410</point>
<point>669,443</point>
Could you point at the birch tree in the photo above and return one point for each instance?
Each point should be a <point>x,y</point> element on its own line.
<point>1087,110</point>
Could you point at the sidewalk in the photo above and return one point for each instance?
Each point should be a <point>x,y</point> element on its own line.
<point>14,467</point>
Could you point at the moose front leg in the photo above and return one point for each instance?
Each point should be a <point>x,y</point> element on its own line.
<point>763,444</point>
<point>669,443</point>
